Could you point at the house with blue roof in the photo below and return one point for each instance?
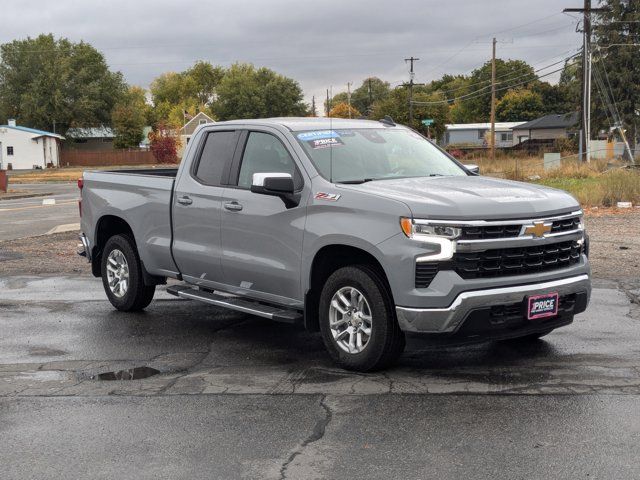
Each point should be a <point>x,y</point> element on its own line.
<point>23,148</point>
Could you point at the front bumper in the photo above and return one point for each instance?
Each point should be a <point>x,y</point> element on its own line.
<point>450,319</point>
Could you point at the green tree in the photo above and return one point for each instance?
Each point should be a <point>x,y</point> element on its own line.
<point>519,105</point>
<point>371,90</point>
<point>555,98</point>
<point>396,105</point>
<point>129,118</point>
<point>47,83</point>
<point>617,63</point>
<point>249,92</point>
<point>474,96</point>
<point>362,98</point>
<point>173,88</point>
<point>204,79</point>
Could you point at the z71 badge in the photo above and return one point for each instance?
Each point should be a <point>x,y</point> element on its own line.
<point>329,197</point>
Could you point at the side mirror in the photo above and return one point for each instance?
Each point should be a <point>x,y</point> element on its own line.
<point>277,185</point>
<point>475,169</point>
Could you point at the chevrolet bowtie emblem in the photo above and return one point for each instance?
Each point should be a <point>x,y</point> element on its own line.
<point>538,229</point>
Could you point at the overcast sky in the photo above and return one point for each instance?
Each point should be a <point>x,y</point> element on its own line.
<point>319,43</point>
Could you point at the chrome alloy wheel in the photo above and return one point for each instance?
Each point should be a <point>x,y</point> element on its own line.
<point>117,273</point>
<point>350,320</point>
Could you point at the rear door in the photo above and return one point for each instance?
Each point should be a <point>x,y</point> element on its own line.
<point>197,204</point>
<point>261,237</point>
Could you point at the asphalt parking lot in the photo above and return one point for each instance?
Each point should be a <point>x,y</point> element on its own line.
<point>234,396</point>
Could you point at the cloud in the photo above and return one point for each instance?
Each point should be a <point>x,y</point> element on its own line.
<point>320,44</point>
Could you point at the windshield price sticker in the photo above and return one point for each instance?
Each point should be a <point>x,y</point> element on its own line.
<point>317,135</point>
<point>324,143</point>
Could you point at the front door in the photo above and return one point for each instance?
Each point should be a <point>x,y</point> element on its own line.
<point>197,204</point>
<point>261,237</point>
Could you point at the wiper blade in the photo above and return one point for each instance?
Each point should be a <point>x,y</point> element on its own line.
<point>357,182</point>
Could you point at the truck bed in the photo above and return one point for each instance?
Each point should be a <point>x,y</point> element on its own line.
<point>141,197</point>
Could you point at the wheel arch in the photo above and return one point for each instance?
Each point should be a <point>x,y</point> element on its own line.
<point>106,227</point>
<point>327,260</point>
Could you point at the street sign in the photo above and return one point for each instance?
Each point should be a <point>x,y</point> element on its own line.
<point>427,122</point>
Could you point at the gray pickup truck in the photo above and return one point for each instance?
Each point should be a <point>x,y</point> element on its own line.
<point>363,230</point>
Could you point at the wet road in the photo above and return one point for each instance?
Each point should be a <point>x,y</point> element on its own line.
<point>239,397</point>
<point>28,217</point>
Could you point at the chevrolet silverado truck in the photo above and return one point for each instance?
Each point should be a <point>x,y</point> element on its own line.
<point>362,230</point>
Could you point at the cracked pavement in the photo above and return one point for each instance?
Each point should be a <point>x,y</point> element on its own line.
<point>240,397</point>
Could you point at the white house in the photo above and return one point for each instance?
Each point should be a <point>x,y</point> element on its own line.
<point>475,134</point>
<point>27,148</point>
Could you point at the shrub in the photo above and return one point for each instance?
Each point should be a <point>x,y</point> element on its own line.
<point>164,144</point>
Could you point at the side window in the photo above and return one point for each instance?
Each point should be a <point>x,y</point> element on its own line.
<point>264,153</point>
<point>217,153</point>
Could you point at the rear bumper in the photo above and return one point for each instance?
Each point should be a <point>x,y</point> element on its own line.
<point>84,249</point>
<point>472,304</point>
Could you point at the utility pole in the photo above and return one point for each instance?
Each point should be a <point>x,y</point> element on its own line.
<point>328,105</point>
<point>313,106</point>
<point>585,136</point>
<point>492,139</point>
<point>411,76</point>
<point>349,97</point>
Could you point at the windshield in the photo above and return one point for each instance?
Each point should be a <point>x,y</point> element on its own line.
<point>360,155</point>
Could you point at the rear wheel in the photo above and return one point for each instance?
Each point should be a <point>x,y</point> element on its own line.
<point>357,320</point>
<point>122,276</point>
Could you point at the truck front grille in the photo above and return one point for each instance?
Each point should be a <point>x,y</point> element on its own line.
<point>565,225</point>
<point>490,232</point>
<point>516,261</point>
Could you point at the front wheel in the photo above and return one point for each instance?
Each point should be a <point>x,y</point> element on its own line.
<point>358,321</point>
<point>122,276</point>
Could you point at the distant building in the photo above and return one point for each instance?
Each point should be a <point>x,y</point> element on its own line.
<point>24,148</point>
<point>187,130</point>
<point>476,134</point>
<point>94,138</point>
<point>145,143</point>
<point>549,127</point>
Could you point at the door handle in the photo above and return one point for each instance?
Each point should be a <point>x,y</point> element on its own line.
<point>184,200</point>
<point>233,206</point>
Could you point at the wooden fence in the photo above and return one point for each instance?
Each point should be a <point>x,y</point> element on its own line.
<point>79,158</point>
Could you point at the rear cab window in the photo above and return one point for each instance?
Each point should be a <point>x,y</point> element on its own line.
<point>215,157</point>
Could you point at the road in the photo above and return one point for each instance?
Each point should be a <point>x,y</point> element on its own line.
<point>28,217</point>
<point>235,396</point>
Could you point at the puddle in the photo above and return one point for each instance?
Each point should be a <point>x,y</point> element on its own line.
<point>136,373</point>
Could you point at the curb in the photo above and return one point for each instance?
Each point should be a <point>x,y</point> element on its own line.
<point>19,196</point>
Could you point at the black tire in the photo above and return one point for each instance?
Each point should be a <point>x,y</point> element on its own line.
<point>137,295</point>
<point>534,337</point>
<point>386,342</point>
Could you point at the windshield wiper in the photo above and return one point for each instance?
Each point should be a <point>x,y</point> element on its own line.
<point>357,182</point>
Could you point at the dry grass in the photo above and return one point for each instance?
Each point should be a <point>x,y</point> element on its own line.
<point>599,183</point>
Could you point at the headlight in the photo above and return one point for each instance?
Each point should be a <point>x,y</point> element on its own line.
<point>423,229</point>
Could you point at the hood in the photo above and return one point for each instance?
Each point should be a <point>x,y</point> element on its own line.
<point>471,197</point>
